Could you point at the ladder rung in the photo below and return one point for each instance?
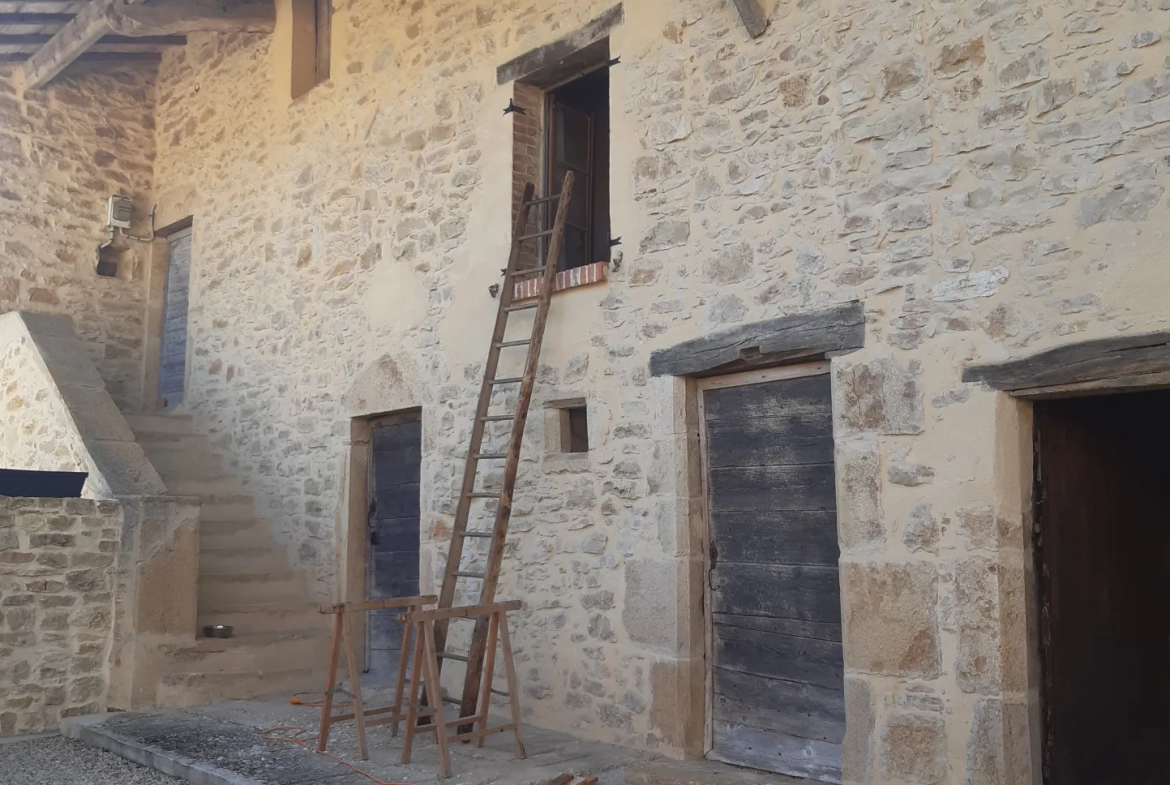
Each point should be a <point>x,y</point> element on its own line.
<point>491,455</point>
<point>450,655</point>
<point>461,574</point>
<point>522,307</point>
<point>545,199</point>
<point>501,693</point>
<point>506,344</point>
<point>498,417</point>
<point>481,535</point>
<point>534,235</point>
<point>507,380</point>
<point>452,699</point>
<point>530,271</point>
<point>484,495</point>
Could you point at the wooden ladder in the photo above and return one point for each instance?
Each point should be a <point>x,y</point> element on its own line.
<point>455,571</point>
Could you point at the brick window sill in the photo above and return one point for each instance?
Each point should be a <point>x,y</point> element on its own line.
<point>585,275</point>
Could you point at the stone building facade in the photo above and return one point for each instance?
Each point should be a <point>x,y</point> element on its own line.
<point>986,179</point>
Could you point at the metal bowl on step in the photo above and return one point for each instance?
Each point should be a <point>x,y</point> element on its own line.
<point>217,631</point>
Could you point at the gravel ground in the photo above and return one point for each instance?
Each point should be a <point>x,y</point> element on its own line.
<point>59,761</point>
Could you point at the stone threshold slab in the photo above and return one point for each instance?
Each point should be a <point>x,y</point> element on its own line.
<point>157,739</point>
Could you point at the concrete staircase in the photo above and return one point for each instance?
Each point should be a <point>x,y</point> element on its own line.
<point>245,580</point>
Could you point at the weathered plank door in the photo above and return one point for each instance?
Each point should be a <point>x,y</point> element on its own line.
<point>172,374</point>
<point>777,673</point>
<point>1103,568</point>
<point>393,528</point>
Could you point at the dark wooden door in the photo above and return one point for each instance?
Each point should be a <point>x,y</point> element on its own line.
<point>172,375</point>
<point>396,446</point>
<point>1103,557</point>
<point>778,673</point>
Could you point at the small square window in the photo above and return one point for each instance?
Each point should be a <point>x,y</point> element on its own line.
<point>566,426</point>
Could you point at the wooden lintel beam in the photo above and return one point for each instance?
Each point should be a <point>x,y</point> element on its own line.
<point>179,17</point>
<point>753,17</point>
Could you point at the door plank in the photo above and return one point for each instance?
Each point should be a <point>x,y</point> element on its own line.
<point>760,442</point>
<point>809,593</point>
<point>776,536</point>
<point>789,657</point>
<point>760,749</point>
<point>789,707</point>
<point>807,487</point>
<point>804,395</point>
<point>805,629</point>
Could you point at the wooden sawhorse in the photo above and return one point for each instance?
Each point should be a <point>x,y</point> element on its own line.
<point>427,665</point>
<point>343,636</point>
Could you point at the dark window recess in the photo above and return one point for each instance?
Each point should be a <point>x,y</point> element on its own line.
<point>578,141</point>
<point>576,430</point>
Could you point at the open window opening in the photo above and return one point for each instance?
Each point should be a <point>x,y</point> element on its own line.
<point>565,128</point>
<point>577,140</point>
<point>567,426</point>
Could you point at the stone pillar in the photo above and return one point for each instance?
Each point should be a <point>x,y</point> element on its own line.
<point>156,592</point>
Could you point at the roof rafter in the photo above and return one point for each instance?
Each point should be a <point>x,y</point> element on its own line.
<point>130,18</point>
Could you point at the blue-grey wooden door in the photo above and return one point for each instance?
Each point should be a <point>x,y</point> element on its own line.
<point>396,456</point>
<point>172,374</point>
<point>778,673</point>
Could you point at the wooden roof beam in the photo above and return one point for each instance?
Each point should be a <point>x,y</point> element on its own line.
<point>130,18</point>
<point>753,17</point>
<point>82,32</point>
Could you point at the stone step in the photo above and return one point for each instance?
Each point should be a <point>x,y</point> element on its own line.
<point>234,535</point>
<point>173,465</point>
<point>220,592</point>
<point>185,485</point>
<point>269,617</point>
<point>173,424</point>
<point>249,651</point>
<point>229,509</point>
<point>240,560</point>
<point>199,687</point>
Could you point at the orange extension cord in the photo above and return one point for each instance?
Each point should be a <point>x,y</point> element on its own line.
<point>298,735</point>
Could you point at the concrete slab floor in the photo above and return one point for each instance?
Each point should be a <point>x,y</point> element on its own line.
<point>222,744</point>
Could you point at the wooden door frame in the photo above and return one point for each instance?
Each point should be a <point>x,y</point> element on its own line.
<point>357,542</point>
<point>700,387</point>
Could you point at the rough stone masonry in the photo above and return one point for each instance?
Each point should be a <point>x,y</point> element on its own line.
<point>56,609</point>
<point>985,177</point>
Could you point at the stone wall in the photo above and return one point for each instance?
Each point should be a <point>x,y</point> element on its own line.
<point>63,152</point>
<point>56,609</point>
<point>58,415</point>
<point>987,178</point>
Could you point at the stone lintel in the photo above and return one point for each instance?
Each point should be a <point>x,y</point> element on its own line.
<point>787,339</point>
